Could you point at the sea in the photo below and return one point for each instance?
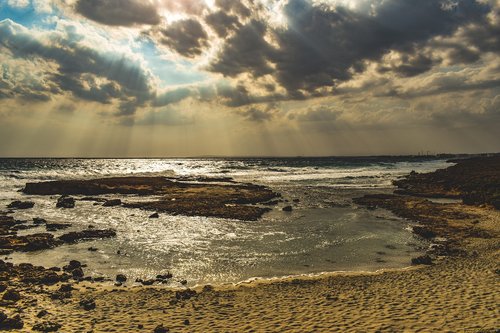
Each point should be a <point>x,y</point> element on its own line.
<point>325,232</point>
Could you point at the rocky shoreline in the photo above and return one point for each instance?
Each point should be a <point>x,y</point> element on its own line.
<point>455,288</point>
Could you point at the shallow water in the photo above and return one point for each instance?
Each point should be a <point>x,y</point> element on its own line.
<point>324,232</point>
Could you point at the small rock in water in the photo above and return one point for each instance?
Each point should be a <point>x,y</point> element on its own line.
<point>422,260</point>
<point>73,264</point>
<point>92,249</point>
<point>77,273</point>
<point>186,321</point>
<point>287,208</point>
<point>184,282</point>
<point>121,278</point>
<point>65,202</point>
<point>154,216</point>
<point>38,221</point>
<point>21,204</point>
<point>112,203</point>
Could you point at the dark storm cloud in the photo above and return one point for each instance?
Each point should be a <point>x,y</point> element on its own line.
<point>222,23</point>
<point>256,115</point>
<point>187,37</point>
<point>119,12</point>
<point>86,73</point>
<point>322,46</point>
<point>246,52</point>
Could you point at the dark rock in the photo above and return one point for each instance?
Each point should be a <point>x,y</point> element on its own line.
<point>56,226</point>
<point>38,221</point>
<point>73,264</point>
<point>183,282</point>
<point>21,204</point>
<point>185,294</point>
<point>164,276</point>
<point>47,326</point>
<point>65,288</point>
<point>296,200</point>
<point>121,278</point>
<point>148,282</point>
<point>422,260</point>
<point>160,329</point>
<point>287,209</point>
<point>207,288</point>
<point>112,203</point>
<point>11,295</point>
<point>75,236</point>
<point>3,316</point>
<point>92,249</point>
<point>87,304</point>
<point>424,231</point>
<point>77,273</point>
<point>42,313</point>
<point>65,202</point>
<point>140,326</point>
<point>154,216</point>
<point>60,295</point>
<point>3,287</point>
<point>14,323</point>
<point>186,321</point>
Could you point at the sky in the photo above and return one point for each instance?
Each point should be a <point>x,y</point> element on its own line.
<point>161,78</point>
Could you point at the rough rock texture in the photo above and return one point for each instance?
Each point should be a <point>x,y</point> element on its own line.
<point>75,236</point>
<point>178,195</point>
<point>476,181</point>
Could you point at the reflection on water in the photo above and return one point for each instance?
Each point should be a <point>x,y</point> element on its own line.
<point>324,232</point>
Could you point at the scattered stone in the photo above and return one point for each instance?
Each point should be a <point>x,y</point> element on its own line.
<point>42,313</point>
<point>38,221</point>
<point>164,276</point>
<point>424,231</point>
<point>77,273</point>
<point>149,282</point>
<point>207,288</point>
<point>73,264</point>
<point>47,326</point>
<point>183,282</point>
<point>185,294</point>
<point>21,204</point>
<point>65,202</point>
<point>186,322</point>
<point>87,304</point>
<point>287,209</point>
<point>56,226</point>
<point>14,323</point>
<point>112,203</point>
<point>140,326</point>
<point>422,260</point>
<point>154,216</point>
<point>121,278</point>
<point>11,295</point>
<point>296,200</point>
<point>160,329</point>
<point>3,287</point>
<point>92,249</point>
<point>65,288</point>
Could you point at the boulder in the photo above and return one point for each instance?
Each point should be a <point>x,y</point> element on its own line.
<point>65,202</point>
<point>87,304</point>
<point>287,209</point>
<point>73,264</point>
<point>154,216</point>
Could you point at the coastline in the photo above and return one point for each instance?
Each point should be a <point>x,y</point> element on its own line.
<point>460,291</point>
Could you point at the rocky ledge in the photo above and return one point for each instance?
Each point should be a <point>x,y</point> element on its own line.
<point>446,225</point>
<point>184,196</point>
<point>475,180</point>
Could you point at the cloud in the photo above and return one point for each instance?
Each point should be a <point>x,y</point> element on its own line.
<point>321,46</point>
<point>186,37</point>
<point>222,23</point>
<point>119,12</point>
<point>65,63</point>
